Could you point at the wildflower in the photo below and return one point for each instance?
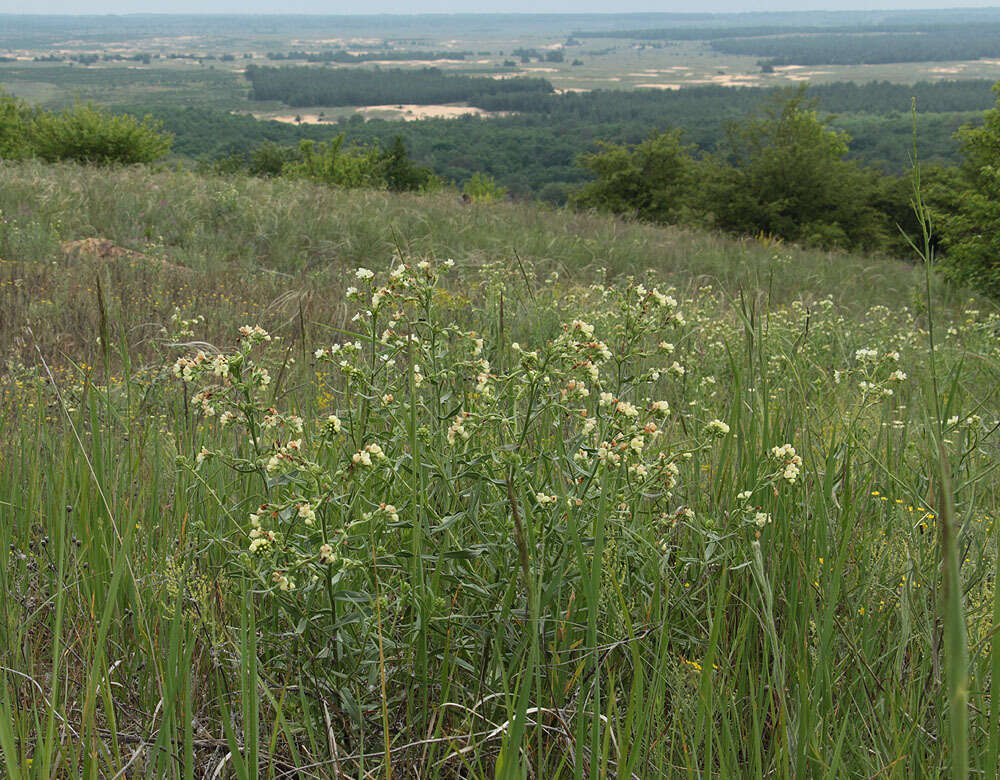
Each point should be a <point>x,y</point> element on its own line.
<point>364,274</point>
<point>717,428</point>
<point>260,540</point>
<point>676,369</point>
<point>201,456</point>
<point>326,554</point>
<point>792,463</point>
<point>543,499</point>
<point>761,519</point>
<point>743,495</point>
<point>307,513</point>
<point>283,581</point>
<point>897,376</point>
<point>660,407</point>
<point>220,366</point>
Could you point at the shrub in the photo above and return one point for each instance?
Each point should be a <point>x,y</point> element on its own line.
<point>651,180</point>
<point>15,121</point>
<point>483,188</point>
<point>90,134</point>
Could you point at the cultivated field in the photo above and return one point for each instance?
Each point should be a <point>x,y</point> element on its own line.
<point>319,483</point>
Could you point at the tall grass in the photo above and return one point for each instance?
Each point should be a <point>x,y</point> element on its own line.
<point>490,605</point>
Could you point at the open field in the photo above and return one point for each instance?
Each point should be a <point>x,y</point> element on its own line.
<point>540,494</point>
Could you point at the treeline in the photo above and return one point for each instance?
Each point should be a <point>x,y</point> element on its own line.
<point>302,86</point>
<point>693,107</point>
<point>343,56</point>
<point>722,33</point>
<point>938,44</point>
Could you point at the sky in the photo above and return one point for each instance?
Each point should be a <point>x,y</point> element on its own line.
<point>458,6</point>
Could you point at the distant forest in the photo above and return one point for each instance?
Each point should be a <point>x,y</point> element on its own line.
<point>303,86</point>
<point>872,48</point>
<point>860,44</point>
<point>534,152</point>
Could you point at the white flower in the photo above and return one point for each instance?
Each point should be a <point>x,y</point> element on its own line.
<point>897,376</point>
<point>627,409</point>
<point>660,407</point>
<point>364,274</point>
<point>307,513</point>
<point>543,499</point>
<point>676,368</point>
<point>761,519</point>
<point>201,456</point>
<point>717,428</point>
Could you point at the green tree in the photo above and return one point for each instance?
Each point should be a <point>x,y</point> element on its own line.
<point>652,180</point>
<point>785,175</point>
<point>399,172</point>
<point>89,134</point>
<point>972,229</point>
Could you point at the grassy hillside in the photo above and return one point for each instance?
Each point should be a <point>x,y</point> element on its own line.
<point>247,241</point>
<point>593,499</point>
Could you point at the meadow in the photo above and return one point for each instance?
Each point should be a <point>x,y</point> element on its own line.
<point>326,483</point>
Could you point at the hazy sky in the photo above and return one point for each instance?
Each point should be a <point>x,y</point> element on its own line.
<point>456,6</point>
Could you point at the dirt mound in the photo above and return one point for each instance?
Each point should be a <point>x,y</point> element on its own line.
<point>103,249</point>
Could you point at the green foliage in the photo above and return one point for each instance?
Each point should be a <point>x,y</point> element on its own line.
<point>400,173</point>
<point>15,127</point>
<point>789,178</point>
<point>972,238</point>
<point>484,188</point>
<point>89,134</point>
<point>652,180</point>
<point>330,163</point>
<point>304,86</point>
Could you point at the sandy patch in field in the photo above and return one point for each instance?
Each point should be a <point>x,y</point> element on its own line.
<point>422,63</point>
<point>658,86</point>
<point>307,119</point>
<point>947,70</point>
<point>571,89</point>
<point>789,67</point>
<point>542,70</point>
<point>411,112</point>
